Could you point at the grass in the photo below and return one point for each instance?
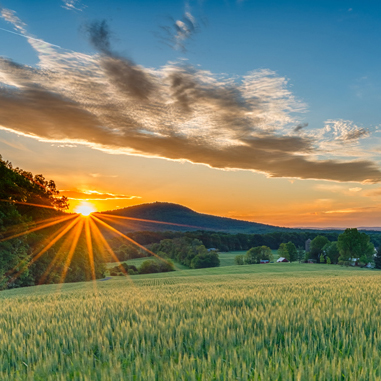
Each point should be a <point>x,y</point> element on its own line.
<point>227,258</point>
<point>138,261</point>
<point>259,322</point>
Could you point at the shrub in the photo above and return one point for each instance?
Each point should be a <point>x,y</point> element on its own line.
<point>148,267</point>
<point>205,260</point>
<point>151,266</point>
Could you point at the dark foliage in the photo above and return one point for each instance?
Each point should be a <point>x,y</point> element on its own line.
<point>19,188</point>
<point>187,251</point>
<point>377,259</point>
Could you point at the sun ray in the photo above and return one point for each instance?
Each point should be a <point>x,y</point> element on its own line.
<point>37,228</point>
<point>128,238</point>
<point>90,248</point>
<point>69,257</point>
<point>15,228</point>
<point>45,249</point>
<point>60,253</point>
<point>46,241</point>
<point>29,204</point>
<point>100,215</point>
<point>102,241</point>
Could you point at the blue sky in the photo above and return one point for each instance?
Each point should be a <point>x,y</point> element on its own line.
<point>327,49</point>
<point>317,60</point>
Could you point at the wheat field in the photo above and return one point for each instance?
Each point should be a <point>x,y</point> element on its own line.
<point>260,322</point>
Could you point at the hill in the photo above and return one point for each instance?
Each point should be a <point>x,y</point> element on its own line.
<point>187,220</point>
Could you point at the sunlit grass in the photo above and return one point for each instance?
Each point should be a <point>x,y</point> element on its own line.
<point>281,321</point>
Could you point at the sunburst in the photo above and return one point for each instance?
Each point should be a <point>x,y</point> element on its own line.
<point>74,225</point>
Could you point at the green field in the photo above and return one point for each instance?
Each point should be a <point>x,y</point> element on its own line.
<point>226,259</point>
<point>138,261</point>
<point>259,322</point>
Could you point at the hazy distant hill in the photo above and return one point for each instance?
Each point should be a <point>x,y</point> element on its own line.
<point>178,214</point>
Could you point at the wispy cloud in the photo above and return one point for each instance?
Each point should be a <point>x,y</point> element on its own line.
<point>73,5</point>
<point>373,193</point>
<point>179,31</point>
<point>300,126</point>
<point>176,112</point>
<point>338,188</point>
<point>94,195</point>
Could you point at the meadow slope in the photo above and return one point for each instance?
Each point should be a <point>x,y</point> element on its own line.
<point>259,322</point>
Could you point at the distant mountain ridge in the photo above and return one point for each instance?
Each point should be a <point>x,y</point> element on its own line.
<point>179,214</point>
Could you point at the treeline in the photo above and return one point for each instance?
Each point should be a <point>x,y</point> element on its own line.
<point>149,266</point>
<point>187,251</point>
<point>228,242</point>
<point>19,189</point>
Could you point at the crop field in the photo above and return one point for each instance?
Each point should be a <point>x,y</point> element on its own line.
<point>270,322</point>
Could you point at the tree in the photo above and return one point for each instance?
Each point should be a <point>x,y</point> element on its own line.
<point>317,245</point>
<point>282,251</point>
<point>328,261</point>
<point>377,258</point>
<point>292,252</point>
<point>204,260</point>
<point>355,245</point>
<point>255,254</point>
<point>126,252</point>
<point>331,251</point>
<point>149,266</point>
<point>301,254</point>
<point>239,259</point>
<point>322,259</point>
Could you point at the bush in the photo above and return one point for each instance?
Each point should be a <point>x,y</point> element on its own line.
<point>151,266</point>
<point>255,254</point>
<point>116,271</point>
<point>205,260</point>
<point>239,260</point>
<point>132,267</point>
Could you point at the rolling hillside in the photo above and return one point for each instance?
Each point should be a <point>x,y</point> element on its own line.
<point>187,218</point>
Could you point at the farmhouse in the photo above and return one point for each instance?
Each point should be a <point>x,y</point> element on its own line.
<point>282,259</point>
<point>264,261</point>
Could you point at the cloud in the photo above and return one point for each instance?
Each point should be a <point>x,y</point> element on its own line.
<point>94,195</point>
<point>345,130</point>
<point>373,193</point>
<point>10,16</point>
<point>336,188</point>
<point>176,112</point>
<point>101,175</point>
<point>99,35</point>
<point>177,34</point>
<point>73,5</point>
<point>300,126</point>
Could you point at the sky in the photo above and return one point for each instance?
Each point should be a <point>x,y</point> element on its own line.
<point>266,111</point>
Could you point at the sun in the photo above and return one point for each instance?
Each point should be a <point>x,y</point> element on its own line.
<point>85,209</point>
